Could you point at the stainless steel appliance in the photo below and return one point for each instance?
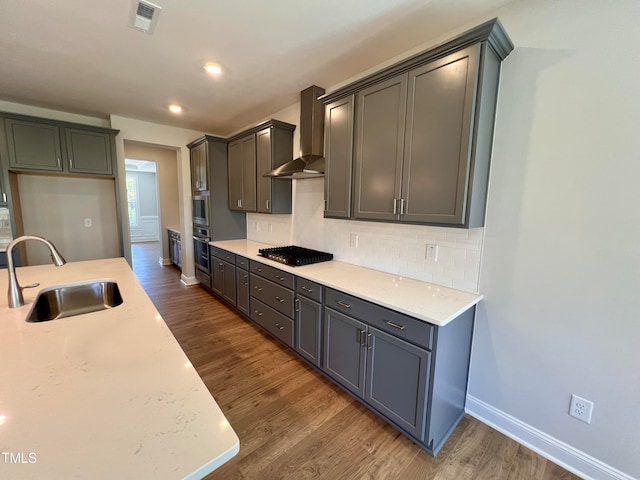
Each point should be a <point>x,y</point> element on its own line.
<point>295,256</point>
<point>201,239</point>
<point>200,209</point>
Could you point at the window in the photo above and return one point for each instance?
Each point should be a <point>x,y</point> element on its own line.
<point>133,205</point>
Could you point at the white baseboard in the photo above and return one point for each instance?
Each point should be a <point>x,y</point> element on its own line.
<point>164,261</point>
<point>188,280</point>
<point>568,457</point>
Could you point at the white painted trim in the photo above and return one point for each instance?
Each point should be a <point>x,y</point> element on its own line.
<point>164,261</point>
<point>568,457</point>
<point>188,280</point>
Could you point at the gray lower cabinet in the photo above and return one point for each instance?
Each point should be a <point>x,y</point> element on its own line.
<point>242,174</point>
<point>338,147</point>
<point>47,145</point>
<point>308,329</point>
<point>422,134</point>
<point>224,279</point>
<point>242,290</point>
<point>175,248</point>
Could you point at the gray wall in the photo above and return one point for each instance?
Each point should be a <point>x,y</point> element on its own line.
<point>561,260</point>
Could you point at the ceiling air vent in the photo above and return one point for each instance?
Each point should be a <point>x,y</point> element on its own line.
<point>144,16</point>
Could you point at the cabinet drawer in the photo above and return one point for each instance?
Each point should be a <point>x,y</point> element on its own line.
<point>274,322</point>
<point>242,262</point>
<point>224,255</point>
<point>276,296</point>
<point>309,289</point>
<point>203,278</point>
<point>410,329</point>
<point>273,274</point>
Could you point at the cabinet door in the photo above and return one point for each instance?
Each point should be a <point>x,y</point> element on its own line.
<point>242,289</point>
<point>338,151</point>
<point>229,288</point>
<point>344,352</point>
<point>263,158</point>
<point>88,152</point>
<point>379,134</point>
<point>217,272</point>
<point>249,174</point>
<point>178,254</point>
<point>171,247</point>
<point>397,380</point>
<point>242,174</point>
<point>199,174</point>
<point>308,329</point>
<point>441,102</point>
<point>33,145</point>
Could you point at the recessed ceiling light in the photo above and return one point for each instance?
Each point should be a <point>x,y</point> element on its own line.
<point>213,68</point>
<point>174,108</point>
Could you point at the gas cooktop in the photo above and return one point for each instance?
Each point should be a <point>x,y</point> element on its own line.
<point>295,256</point>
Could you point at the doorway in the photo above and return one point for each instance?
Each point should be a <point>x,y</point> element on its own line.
<point>142,200</point>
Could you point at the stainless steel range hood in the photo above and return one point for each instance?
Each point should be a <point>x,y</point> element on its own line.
<point>310,164</point>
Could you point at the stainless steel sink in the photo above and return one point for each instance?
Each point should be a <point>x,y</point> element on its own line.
<point>74,299</point>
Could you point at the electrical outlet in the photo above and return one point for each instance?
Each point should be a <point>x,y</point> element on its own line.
<point>581,408</point>
<point>88,222</point>
<point>432,252</point>
<point>353,240</point>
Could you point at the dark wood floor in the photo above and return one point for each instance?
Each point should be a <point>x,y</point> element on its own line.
<point>292,422</point>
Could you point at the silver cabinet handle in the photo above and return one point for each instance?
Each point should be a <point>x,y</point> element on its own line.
<point>361,337</point>
<point>368,341</point>
<point>281,300</point>
<point>267,204</point>
<point>58,161</point>
<point>395,206</point>
<point>71,162</point>
<point>258,312</point>
<point>258,288</point>
<point>246,280</point>
<point>306,289</point>
<point>395,325</point>
<point>258,269</point>
<point>297,305</point>
<point>280,278</point>
<point>342,304</point>
<point>402,206</point>
<point>280,327</point>
<point>4,197</point>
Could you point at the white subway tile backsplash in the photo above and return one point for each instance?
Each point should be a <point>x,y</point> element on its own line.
<point>394,248</point>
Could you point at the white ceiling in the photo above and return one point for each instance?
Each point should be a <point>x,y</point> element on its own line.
<point>80,56</point>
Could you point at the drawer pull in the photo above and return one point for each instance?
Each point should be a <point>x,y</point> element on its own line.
<point>258,312</point>
<point>297,305</point>
<point>361,337</point>
<point>342,304</point>
<point>280,327</point>
<point>280,278</point>
<point>306,289</point>
<point>258,288</point>
<point>395,325</point>
<point>258,269</point>
<point>368,341</point>
<point>281,300</point>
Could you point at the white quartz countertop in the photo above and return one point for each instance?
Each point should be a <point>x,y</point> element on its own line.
<point>425,301</point>
<point>103,395</point>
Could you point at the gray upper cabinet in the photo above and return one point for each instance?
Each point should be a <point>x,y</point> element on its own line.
<point>379,136</point>
<point>88,152</point>
<point>274,147</point>
<point>33,145</point>
<point>423,132</point>
<point>252,154</point>
<point>199,168</point>
<point>242,174</point>
<point>49,145</point>
<point>437,142</point>
<point>338,148</point>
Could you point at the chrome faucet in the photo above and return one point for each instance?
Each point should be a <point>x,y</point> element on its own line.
<point>15,290</point>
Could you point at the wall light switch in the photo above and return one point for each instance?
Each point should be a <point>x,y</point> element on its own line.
<point>353,240</point>
<point>88,222</point>
<point>432,252</point>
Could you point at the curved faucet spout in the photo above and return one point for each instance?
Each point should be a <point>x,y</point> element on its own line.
<point>15,298</point>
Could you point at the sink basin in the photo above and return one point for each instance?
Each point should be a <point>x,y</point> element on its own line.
<point>74,299</point>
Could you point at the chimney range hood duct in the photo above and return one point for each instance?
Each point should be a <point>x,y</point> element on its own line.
<point>311,161</point>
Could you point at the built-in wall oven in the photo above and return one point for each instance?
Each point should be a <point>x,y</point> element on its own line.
<point>200,209</point>
<point>201,239</point>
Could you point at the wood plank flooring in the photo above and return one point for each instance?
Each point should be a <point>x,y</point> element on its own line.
<point>295,424</point>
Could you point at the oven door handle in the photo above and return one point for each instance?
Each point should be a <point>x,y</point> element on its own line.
<point>201,239</point>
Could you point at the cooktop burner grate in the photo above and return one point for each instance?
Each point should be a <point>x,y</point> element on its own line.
<point>295,256</point>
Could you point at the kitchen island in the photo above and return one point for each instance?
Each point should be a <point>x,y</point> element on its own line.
<point>108,394</point>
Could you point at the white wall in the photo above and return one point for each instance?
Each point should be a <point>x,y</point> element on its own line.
<point>561,262</point>
<point>152,134</point>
